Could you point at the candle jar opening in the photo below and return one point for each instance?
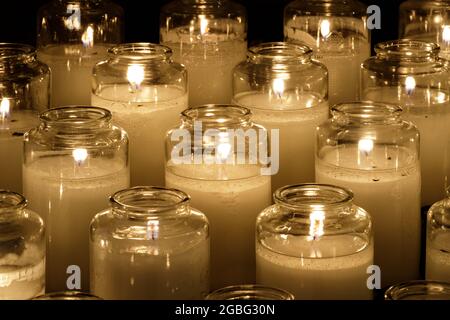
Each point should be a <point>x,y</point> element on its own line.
<point>250,292</point>
<point>68,295</point>
<point>150,202</point>
<point>10,203</point>
<point>140,52</point>
<point>419,290</point>
<point>408,50</point>
<point>220,116</point>
<point>276,53</point>
<point>367,112</point>
<point>10,52</point>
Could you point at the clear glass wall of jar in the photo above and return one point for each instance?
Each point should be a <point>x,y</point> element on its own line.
<point>72,37</point>
<point>22,249</point>
<point>250,292</point>
<point>209,37</point>
<point>213,157</point>
<point>419,290</point>
<point>286,91</point>
<point>24,92</point>
<point>315,243</point>
<point>146,92</point>
<point>337,32</point>
<point>410,73</point>
<point>150,245</point>
<point>74,161</point>
<point>438,241</point>
<point>427,20</point>
<point>368,148</point>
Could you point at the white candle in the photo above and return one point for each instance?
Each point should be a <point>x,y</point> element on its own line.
<point>309,276</point>
<point>68,192</point>
<point>209,62</point>
<point>71,67</point>
<point>22,276</point>
<point>296,116</point>
<point>13,124</point>
<point>429,110</point>
<point>231,197</point>
<point>342,57</point>
<point>438,257</point>
<point>162,272</point>
<point>390,194</point>
<point>146,115</point>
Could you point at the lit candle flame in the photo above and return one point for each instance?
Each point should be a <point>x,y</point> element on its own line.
<point>446,34</point>
<point>410,85</point>
<point>88,37</point>
<point>153,230</point>
<point>80,156</point>
<point>317,225</point>
<point>135,76</point>
<point>278,87</point>
<point>325,28</point>
<point>4,108</point>
<point>224,147</point>
<point>365,146</point>
<point>203,24</point>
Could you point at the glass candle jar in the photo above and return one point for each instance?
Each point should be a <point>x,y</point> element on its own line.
<point>22,249</point>
<point>72,37</point>
<point>410,73</point>
<point>209,158</point>
<point>367,148</point>
<point>146,92</point>
<point>419,290</point>
<point>209,37</point>
<point>427,20</point>
<point>337,32</point>
<point>67,295</point>
<point>315,243</point>
<point>286,91</point>
<point>24,92</point>
<point>438,242</point>
<point>250,292</point>
<point>74,161</point>
<point>150,245</point>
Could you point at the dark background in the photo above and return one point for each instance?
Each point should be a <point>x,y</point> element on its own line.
<point>18,19</point>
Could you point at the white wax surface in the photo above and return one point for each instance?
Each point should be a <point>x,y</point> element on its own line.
<point>146,116</point>
<point>22,277</point>
<point>231,207</point>
<point>71,67</point>
<point>296,117</point>
<point>209,62</point>
<point>11,147</point>
<point>438,257</point>
<point>333,272</point>
<point>155,270</point>
<point>67,197</point>
<point>387,185</point>
<point>429,110</point>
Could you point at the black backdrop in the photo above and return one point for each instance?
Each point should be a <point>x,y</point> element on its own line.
<point>18,19</point>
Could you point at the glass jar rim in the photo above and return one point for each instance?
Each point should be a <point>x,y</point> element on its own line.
<point>250,292</point>
<point>330,7</point>
<point>417,288</point>
<point>67,295</point>
<point>279,52</point>
<point>11,201</point>
<point>407,48</point>
<point>10,51</point>
<point>140,51</point>
<point>146,201</point>
<point>76,116</point>
<point>315,196</point>
<point>221,114</point>
<point>367,110</point>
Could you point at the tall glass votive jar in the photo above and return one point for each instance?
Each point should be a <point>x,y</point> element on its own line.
<point>209,37</point>
<point>74,160</point>
<point>286,91</point>
<point>211,157</point>
<point>410,73</point>
<point>72,36</point>
<point>438,242</point>
<point>419,290</point>
<point>250,292</point>
<point>24,92</point>
<point>150,245</point>
<point>315,243</point>
<point>427,20</point>
<point>22,249</point>
<point>146,92</point>
<point>337,32</point>
<point>368,148</point>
